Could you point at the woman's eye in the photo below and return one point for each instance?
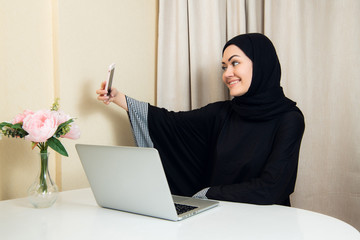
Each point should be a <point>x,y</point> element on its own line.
<point>223,68</point>
<point>234,63</point>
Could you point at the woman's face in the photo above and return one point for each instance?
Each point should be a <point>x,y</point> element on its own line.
<point>238,69</point>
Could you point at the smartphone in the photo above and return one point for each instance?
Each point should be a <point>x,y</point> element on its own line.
<point>109,80</point>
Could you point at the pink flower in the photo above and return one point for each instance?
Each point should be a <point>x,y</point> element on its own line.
<point>40,125</point>
<point>74,132</point>
<point>61,116</point>
<point>20,117</point>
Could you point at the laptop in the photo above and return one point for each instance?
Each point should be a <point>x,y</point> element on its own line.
<point>132,179</point>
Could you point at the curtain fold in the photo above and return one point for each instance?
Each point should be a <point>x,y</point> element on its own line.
<point>207,36</point>
<point>173,67</point>
<point>318,46</point>
<point>244,16</point>
<point>189,56</point>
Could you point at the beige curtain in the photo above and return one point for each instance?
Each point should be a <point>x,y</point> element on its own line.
<point>318,46</point>
<point>188,53</point>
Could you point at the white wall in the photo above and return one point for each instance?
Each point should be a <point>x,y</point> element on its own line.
<point>26,72</point>
<point>63,48</point>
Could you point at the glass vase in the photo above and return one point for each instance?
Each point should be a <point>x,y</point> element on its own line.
<point>43,192</point>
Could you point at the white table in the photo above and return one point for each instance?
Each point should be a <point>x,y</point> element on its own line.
<point>76,215</point>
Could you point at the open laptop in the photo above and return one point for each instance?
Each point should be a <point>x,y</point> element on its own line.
<point>132,179</point>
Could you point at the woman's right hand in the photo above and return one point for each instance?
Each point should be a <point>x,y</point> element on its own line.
<point>115,96</point>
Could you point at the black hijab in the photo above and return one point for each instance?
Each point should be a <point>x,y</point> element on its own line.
<point>265,98</point>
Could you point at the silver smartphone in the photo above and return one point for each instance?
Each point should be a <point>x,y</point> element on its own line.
<point>109,80</point>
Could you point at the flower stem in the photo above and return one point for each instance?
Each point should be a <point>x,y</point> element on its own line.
<point>43,170</point>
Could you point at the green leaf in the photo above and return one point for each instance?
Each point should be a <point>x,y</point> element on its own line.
<point>61,126</point>
<point>17,126</point>
<point>56,145</point>
<point>12,130</point>
<point>5,124</point>
<point>66,123</point>
<point>21,133</point>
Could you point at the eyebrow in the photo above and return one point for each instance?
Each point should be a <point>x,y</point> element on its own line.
<point>231,58</point>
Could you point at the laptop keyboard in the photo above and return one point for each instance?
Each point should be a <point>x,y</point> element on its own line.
<point>180,208</point>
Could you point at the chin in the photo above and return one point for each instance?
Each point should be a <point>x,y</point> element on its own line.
<point>236,94</point>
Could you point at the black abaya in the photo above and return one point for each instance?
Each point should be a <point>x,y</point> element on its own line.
<point>244,150</point>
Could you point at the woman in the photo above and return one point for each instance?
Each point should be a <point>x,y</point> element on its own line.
<point>243,150</point>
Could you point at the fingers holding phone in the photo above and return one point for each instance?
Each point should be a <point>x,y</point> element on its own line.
<point>105,94</point>
<point>108,94</point>
<point>102,93</point>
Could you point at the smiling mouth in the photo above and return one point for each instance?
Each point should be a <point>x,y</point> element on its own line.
<point>233,82</point>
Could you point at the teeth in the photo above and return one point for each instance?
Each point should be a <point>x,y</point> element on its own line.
<point>234,82</point>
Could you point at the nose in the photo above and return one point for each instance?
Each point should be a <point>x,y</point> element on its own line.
<point>229,72</point>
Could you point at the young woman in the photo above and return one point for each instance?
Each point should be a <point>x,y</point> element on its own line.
<point>242,150</point>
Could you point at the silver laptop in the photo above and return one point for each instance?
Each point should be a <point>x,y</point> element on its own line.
<point>132,179</point>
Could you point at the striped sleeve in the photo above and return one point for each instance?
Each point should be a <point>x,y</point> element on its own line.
<point>138,114</point>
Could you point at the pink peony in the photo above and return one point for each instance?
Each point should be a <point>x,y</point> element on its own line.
<point>61,116</point>
<point>40,125</point>
<point>20,117</point>
<point>74,132</point>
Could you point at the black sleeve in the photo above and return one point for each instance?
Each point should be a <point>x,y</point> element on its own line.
<point>183,140</point>
<point>278,177</point>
